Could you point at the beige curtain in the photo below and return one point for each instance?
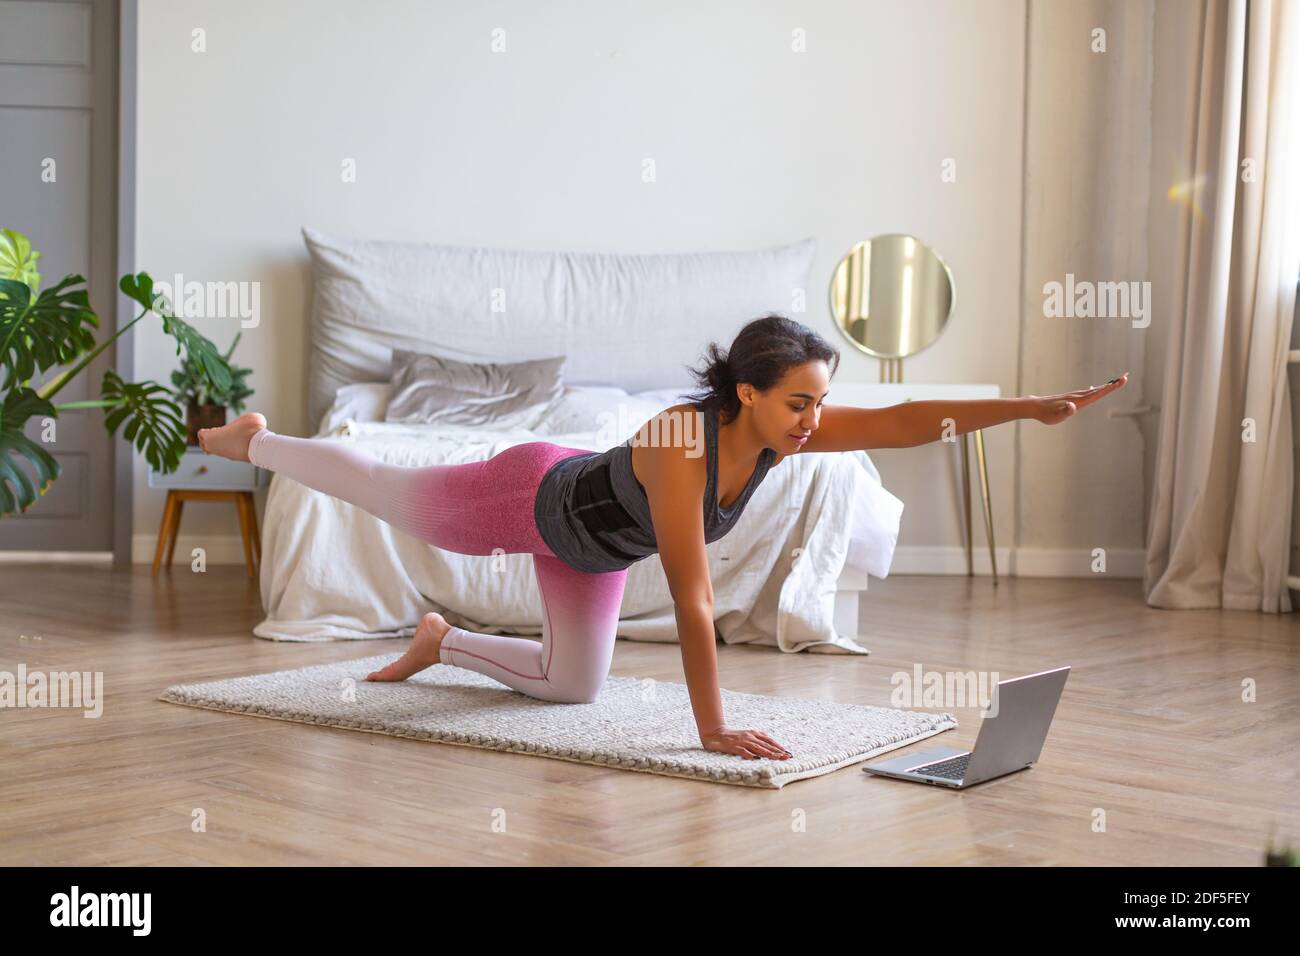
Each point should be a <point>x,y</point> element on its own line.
<point>1221,506</point>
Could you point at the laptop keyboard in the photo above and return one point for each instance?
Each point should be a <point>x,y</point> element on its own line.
<point>952,769</point>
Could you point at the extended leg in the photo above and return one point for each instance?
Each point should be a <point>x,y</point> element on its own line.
<point>579,626</point>
<point>340,471</point>
<point>479,507</point>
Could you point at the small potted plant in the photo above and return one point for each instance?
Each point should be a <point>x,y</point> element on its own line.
<point>206,402</point>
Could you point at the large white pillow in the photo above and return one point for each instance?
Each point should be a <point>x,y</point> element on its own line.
<point>611,412</point>
<point>666,397</point>
<point>578,409</point>
<point>634,321</point>
<point>361,402</point>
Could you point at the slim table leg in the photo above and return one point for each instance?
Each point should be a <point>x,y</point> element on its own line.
<point>965,487</point>
<point>164,531</point>
<point>252,524</point>
<point>988,503</point>
<point>176,527</point>
<point>241,502</point>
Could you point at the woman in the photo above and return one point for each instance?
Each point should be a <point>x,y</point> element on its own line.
<point>681,482</point>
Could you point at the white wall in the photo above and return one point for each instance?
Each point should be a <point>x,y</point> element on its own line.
<point>1087,185</point>
<point>542,147</point>
<point>1176,50</point>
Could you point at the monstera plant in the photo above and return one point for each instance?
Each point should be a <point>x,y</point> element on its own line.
<point>44,329</point>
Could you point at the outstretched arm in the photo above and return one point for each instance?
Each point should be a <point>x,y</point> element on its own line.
<point>843,428</point>
<point>675,491</point>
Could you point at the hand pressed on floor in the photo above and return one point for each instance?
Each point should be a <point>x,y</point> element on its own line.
<point>753,744</point>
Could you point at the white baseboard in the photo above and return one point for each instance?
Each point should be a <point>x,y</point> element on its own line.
<point>56,557</point>
<point>219,548</point>
<point>1029,563</point>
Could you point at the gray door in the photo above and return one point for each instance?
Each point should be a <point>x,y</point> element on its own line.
<point>58,181</point>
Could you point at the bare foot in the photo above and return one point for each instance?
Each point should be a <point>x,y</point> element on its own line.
<point>425,647</point>
<point>231,440</point>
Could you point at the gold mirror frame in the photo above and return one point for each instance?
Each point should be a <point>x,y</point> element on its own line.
<point>859,279</point>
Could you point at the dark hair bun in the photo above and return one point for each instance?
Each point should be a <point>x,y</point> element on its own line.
<point>761,354</point>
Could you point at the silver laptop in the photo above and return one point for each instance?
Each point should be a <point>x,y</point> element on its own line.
<point>1008,742</point>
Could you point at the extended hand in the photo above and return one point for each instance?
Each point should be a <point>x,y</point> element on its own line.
<point>1051,409</point>
<point>751,744</point>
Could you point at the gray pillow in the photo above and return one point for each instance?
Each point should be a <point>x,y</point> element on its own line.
<point>432,389</point>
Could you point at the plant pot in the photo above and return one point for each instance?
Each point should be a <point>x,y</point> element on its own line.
<point>202,416</point>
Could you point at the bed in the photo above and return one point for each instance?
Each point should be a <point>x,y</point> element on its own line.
<point>789,575</point>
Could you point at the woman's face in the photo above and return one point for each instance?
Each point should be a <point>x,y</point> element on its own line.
<point>791,408</point>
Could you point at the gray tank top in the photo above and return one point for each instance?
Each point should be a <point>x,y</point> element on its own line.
<point>593,512</point>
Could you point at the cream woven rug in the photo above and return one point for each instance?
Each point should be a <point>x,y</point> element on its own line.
<point>634,724</point>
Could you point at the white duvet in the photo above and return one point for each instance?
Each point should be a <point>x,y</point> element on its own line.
<point>330,571</point>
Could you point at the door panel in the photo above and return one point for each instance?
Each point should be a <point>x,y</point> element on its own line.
<point>58,102</point>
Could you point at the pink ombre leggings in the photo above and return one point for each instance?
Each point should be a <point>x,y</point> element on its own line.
<point>476,508</point>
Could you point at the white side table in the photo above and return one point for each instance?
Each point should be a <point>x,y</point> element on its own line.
<point>204,477</point>
<point>895,393</point>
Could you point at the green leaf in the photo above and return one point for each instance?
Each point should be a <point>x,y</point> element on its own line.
<point>18,259</point>
<point>140,288</point>
<point>192,385</point>
<point>40,334</point>
<point>17,492</point>
<point>200,350</point>
<point>153,422</point>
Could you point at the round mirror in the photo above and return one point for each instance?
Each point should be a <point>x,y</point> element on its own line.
<point>892,295</point>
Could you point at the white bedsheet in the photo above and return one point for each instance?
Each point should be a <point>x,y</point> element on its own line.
<point>332,572</point>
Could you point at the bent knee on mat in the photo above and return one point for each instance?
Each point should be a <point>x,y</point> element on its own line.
<point>573,698</point>
<point>574,695</point>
